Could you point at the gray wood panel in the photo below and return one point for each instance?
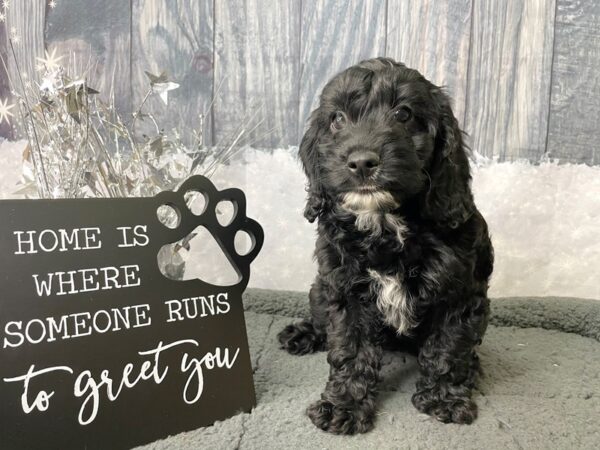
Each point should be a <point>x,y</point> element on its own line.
<point>6,129</point>
<point>336,34</point>
<point>574,131</point>
<point>256,59</point>
<point>509,77</point>
<point>25,25</point>
<point>96,36</point>
<point>524,82</point>
<point>433,37</point>
<point>175,36</point>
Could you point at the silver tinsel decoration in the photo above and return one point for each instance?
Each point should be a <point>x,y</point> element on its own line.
<point>79,146</point>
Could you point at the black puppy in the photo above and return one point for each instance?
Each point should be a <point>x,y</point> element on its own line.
<point>403,253</point>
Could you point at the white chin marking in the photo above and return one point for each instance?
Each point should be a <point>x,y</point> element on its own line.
<point>369,201</point>
<point>372,211</point>
<point>394,302</point>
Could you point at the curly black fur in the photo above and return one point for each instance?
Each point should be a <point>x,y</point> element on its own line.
<point>412,266</point>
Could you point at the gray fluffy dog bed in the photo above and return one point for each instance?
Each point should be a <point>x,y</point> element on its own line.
<point>541,389</point>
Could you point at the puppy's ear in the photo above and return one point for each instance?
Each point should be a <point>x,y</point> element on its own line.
<point>448,201</point>
<point>309,156</point>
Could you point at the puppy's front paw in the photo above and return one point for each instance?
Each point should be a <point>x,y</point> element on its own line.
<point>339,420</point>
<point>300,339</point>
<point>448,408</point>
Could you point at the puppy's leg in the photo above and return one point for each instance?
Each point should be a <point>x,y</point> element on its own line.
<point>449,364</point>
<point>347,405</point>
<point>307,336</point>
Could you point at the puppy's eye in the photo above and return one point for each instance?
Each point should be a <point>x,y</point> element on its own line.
<point>403,114</point>
<point>338,121</point>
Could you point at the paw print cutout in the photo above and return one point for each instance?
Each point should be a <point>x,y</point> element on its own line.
<point>187,216</point>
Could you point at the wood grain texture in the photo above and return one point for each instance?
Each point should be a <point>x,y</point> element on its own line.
<point>96,36</point>
<point>25,20</point>
<point>24,23</point>
<point>336,34</point>
<point>574,128</point>
<point>6,128</point>
<point>257,59</point>
<point>174,36</point>
<point>524,82</point>
<point>509,77</point>
<point>433,37</point>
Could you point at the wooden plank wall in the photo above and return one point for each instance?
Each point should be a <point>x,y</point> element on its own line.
<point>574,128</point>
<point>174,36</point>
<point>437,44</point>
<point>335,34</point>
<point>24,23</point>
<point>97,38</point>
<point>6,128</point>
<point>523,73</point>
<point>256,60</point>
<point>509,77</point>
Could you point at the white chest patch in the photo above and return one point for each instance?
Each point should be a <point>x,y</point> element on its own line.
<point>372,213</point>
<point>394,302</point>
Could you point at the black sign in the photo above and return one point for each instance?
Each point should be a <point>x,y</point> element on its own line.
<point>98,348</point>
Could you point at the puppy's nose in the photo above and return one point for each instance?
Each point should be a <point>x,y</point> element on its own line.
<point>362,163</point>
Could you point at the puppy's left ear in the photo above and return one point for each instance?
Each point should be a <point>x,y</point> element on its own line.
<point>448,201</point>
<point>309,155</point>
